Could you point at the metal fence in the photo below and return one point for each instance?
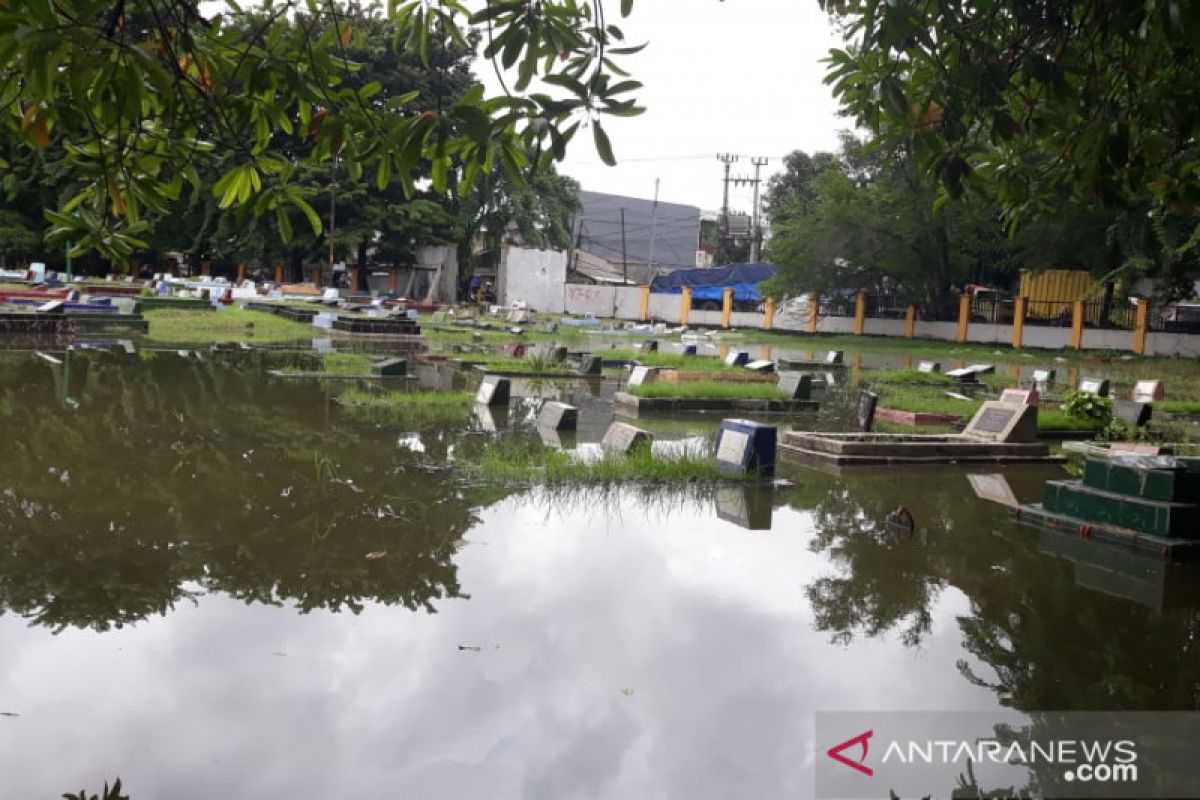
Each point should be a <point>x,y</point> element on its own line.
<point>1174,319</point>
<point>1049,313</point>
<point>886,306</point>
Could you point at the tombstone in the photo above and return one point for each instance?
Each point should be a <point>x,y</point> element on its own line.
<point>550,327</point>
<point>127,346</point>
<point>762,365</point>
<point>1019,397</point>
<point>744,446</point>
<point>621,437</point>
<point>49,359</point>
<point>439,316</point>
<point>491,418</point>
<point>514,350</point>
<point>493,391</point>
<point>52,307</point>
<point>795,385</point>
<point>1149,391</point>
<point>864,412</point>
<point>689,350</point>
<point>515,331</point>
<point>834,357</point>
<point>557,416</point>
<point>964,375</point>
<point>1096,386</point>
<point>643,375</point>
<point>650,346</point>
<point>518,316</point>
<point>390,368</point>
<point>997,422</point>
<point>557,354</point>
<point>737,358</point>
<point>929,366</point>
<point>1132,412</point>
<point>982,369</point>
<point>330,296</point>
<point>591,365</point>
<point>1043,379</point>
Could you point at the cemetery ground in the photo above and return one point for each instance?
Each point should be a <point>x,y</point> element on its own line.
<point>260,527</point>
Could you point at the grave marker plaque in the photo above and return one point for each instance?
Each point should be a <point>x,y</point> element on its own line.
<point>1133,412</point>
<point>1019,397</point>
<point>864,416</point>
<point>650,346</point>
<point>558,416</point>
<point>622,437</point>
<point>1096,386</point>
<point>689,350</point>
<point>737,358</point>
<point>762,365</point>
<point>1149,391</point>
<point>833,357</point>
<point>795,385</point>
<point>644,375</point>
<point>994,488</point>
<point>493,391</point>
<point>590,365</point>
<point>998,422</point>
<point>929,366</point>
<point>1044,377</point>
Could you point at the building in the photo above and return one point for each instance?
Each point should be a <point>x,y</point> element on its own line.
<point>656,237</point>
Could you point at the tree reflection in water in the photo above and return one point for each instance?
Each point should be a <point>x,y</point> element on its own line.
<point>169,477</point>
<point>1041,641</point>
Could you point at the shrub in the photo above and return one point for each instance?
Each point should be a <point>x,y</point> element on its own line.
<point>1088,406</point>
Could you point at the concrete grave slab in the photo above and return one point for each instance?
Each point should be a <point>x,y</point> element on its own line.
<point>795,385</point>
<point>1096,386</point>
<point>1132,412</point>
<point>493,391</point>
<point>650,346</point>
<point>864,410</point>
<point>1149,391</point>
<point>558,416</point>
<point>643,375</point>
<point>834,357</point>
<point>761,365</point>
<point>929,366</point>
<point>390,368</point>
<point>621,437</point>
<point>737,358</point>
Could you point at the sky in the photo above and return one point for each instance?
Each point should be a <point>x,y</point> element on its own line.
<point>735,76</point>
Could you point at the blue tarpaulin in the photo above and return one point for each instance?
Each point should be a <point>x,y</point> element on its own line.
<point>729,275</point>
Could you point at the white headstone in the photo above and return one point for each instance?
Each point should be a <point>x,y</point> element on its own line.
<point>644,375</point>
<point>1019,397</point>
<point>622,437</point>
<point>1149,391</point>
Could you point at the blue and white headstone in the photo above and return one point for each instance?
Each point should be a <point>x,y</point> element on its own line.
<point>745,446</point>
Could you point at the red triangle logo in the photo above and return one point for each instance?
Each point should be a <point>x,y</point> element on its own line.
<point>862,739</point>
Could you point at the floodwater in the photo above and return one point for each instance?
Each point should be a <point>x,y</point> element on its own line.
<point>214,583</point>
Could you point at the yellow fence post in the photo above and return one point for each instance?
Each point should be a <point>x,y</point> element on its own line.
<point>726,307</point>
<point>645,303</point>
<point>769,314</point>
<point>1140,326</point>
<point>860,313</point>
<point>1020,308</point>
<point>1077,325</point>
<point>685,305</point>
<point>241,272</point>
<point>278,272</point>
<point>910,321</point>
<point>964,316</point>
<point>814,302</point>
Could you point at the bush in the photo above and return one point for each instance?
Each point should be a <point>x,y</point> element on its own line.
<point>1088,406</point>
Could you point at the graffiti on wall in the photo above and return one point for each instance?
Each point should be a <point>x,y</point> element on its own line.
<point>583,294</point>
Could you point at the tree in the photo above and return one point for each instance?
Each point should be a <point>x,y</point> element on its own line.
<point>1077,100</point>
<point>142,94</point>
<point>867,219</point>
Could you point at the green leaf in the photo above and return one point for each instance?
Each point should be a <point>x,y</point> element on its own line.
<point>603,145</point>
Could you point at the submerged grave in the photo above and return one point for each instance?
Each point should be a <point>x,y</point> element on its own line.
<point>1148,503</point>
<point>998,433</point>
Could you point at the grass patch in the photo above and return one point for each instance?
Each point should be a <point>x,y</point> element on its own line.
<point>511,463</point>
<point>672,361</point>
<point>930,400</point>
<point>224,325</point>
<point>346,363</point>
<point>1053,419</point>
<point>707,390</point>
<point>1178,406</point>
<point>529,365</point>
<point>419,407</point>
<point>907,377</point>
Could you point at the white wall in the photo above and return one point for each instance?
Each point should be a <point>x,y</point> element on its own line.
<point>1051,338</point>
<point>534,276</point>
<point>1107,340</point>
<point>988,333</point>
<point>583,298</point>
<point>1172,344</point>
<point>665,306</point>
<point>946,331</point>
<point>883,327</point>
<point>629,302</point>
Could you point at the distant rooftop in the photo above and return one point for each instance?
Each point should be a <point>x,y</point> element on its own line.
<point>674,228</point>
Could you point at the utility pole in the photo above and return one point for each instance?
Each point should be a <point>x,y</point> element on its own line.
<point>653,234</point>
<point>624,256</point>
<point>756,230</point>
<point>726,159</point>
